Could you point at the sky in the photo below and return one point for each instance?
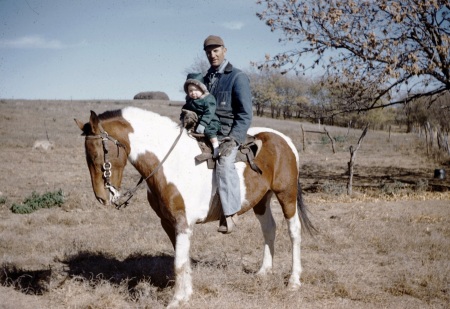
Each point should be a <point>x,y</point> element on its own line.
<point>112,50</point>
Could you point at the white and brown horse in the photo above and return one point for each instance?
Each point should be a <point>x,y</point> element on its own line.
<point>182,191</point>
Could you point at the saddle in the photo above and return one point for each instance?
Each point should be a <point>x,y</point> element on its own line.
<point>247,152</point>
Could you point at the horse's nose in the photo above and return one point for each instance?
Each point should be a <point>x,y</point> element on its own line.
<point>103,201</point>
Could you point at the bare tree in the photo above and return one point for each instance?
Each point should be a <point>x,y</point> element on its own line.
<point>351,163</point>
<point>264,92</point>
<point>376,53</point>
<point>283,94</point>
<point>200,65</point>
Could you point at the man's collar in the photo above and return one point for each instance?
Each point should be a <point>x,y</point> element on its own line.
<point>222,66</point>
<point>220,69</point>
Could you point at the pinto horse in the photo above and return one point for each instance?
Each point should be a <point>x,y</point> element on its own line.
<point>182,192</point>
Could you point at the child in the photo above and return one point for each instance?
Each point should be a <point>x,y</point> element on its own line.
<point>200,101</point>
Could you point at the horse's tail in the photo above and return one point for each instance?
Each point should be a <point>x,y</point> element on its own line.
<point>303,212</point>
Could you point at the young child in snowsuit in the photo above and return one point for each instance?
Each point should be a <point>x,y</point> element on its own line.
<point>200,101</point>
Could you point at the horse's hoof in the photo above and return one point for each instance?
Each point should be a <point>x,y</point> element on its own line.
<point>264,272</point>
<point>174,304</point>
<point>294,286</point>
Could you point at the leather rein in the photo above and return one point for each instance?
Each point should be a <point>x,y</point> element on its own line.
<point>107,168</point>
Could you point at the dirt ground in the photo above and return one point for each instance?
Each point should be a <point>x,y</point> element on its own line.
<point>387,246</point>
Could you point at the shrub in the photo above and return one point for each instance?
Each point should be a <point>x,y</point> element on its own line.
<point>333,188</point>
<point>340,139</point>
<point>36,201</point>
<point>392,188</point>
<point>151,95</point>
<point>421,185</point>
<point>2,200</point>
<point>324,140</point>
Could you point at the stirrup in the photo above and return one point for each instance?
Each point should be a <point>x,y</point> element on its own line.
<point>229,224</point>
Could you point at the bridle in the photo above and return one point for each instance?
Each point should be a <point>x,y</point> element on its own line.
<point>107,167</point>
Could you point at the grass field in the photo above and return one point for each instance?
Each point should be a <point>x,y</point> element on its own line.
<point>387,246</point>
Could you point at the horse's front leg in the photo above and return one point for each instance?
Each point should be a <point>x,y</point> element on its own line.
<point>183,279</point>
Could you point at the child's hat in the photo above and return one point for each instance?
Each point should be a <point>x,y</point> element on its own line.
<point>196,79</point>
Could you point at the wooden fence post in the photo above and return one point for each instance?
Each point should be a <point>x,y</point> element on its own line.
<point>331,139</point>
<point>303,138</point>
<point>426,139</point>
<point>389,140</point>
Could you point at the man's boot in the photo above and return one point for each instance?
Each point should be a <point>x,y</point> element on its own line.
<point>228,224</point>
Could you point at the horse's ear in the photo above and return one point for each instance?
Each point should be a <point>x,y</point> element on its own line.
<point>85,127</point>
<point>79,124</point>
<point>94,123</point>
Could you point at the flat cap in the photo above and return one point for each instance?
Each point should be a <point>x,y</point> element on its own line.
<point>213,40</point>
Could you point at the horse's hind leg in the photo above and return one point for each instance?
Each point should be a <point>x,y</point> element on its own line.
<point>288,196</point>
<point>268,227</point>
<point>295,235</point>
<point>288,202</point>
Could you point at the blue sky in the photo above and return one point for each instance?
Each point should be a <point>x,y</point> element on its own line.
<point>99,49</point>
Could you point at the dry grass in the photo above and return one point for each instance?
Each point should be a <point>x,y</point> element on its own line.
<point>384,247</point>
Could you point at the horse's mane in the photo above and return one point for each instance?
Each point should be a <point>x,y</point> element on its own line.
<point>87,129</point>
<point>146,117</point>
<point>110,114</point>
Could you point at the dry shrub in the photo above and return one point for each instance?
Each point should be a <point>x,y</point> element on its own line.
<point>333,188</point>
<point>81,293</point>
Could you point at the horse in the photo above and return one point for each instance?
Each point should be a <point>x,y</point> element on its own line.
<point>182,192</point>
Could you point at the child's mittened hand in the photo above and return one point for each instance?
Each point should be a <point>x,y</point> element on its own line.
<point>200,129</point>
<point>188,118</point>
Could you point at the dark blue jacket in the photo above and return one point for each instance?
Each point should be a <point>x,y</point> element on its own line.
<point>234,103</point>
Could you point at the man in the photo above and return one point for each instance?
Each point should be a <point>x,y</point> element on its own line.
<point>231,88</point>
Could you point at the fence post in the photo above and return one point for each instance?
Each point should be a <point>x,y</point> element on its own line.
<point>331,139</point>
<point>303,138</point>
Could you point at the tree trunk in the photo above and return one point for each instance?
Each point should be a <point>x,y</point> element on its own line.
<point>351,163</point>
<point>331,139</point>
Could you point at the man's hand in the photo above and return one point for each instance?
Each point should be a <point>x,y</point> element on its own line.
<point>226,146</point>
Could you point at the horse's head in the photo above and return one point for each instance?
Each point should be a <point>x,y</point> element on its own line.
<point>106,157</point>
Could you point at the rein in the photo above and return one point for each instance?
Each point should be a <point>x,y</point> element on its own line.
<point>107,168</point>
